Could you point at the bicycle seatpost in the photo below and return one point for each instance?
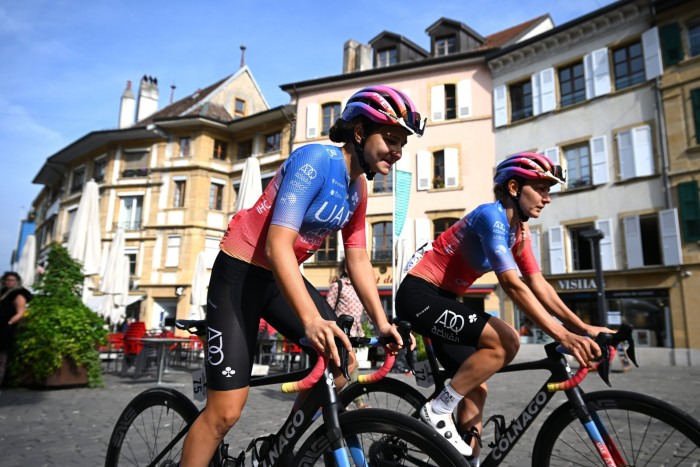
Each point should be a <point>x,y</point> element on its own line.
<point>344,322</point>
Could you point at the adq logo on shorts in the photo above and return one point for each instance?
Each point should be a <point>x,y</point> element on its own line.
<point>451,320</point>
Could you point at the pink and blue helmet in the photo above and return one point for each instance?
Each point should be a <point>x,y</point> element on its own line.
<point>386,106</point>
<point>529,166</point>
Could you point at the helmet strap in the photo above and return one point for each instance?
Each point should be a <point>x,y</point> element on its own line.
<point>516,199</point>
<point>360,152</point>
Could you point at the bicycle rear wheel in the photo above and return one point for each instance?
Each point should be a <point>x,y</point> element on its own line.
<point>385,438</point>
<point>645,430</point>
<point>147,426</point>
<point>388,393</point>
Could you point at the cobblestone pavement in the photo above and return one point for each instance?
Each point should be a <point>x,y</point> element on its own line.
<point>71,427</point>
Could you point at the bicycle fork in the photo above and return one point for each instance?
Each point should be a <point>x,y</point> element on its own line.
<point>596,430</point>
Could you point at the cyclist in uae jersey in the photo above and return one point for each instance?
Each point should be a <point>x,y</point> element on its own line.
<point>318,190</point>
<point>471,344</point>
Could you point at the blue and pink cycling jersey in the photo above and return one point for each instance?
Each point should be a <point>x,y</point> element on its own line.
<point>310,193</point>
<point>478,243</point>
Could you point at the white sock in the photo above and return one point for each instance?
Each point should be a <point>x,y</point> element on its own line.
<point>447,400</point>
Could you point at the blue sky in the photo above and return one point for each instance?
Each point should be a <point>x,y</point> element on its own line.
<point>65,63</point>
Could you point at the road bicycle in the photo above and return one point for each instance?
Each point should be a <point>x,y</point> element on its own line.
<point>151,429</point>
<point>610,428</point>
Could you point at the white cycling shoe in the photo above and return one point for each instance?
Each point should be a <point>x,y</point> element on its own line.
<point>443,424</point>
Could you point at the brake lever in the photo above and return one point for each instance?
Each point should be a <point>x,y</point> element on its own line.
<point>604,342</point>
<point>624,334</point>
<point>344,322</point>
<point>404,328</point>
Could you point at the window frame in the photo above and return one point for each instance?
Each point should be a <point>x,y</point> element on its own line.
<point>172,251</point>
<point>578,93</point>
<point>99,169</point>
<point>179,192</point>
<point>245,144</point>
<point>77,181</point>
<point>521,111</point>
<point>386,56</point>
<point>135,210</point>
<point>216,196</point>
<point>579,165</point>
<point>327,120</point>
<point>445,45</point>
<point>383,184</point>
<point>276,138</point>
<point>383,254</point>
<point>185,149</point>
<point>630,78</point>
<point>239,112</point>
<point>220,151</point>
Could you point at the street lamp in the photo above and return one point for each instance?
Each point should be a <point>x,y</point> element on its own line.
<point>595,236</point>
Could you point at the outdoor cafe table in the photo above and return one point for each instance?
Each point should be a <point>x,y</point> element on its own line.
<point>161,345</point>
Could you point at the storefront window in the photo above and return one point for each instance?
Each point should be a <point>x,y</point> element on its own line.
<point>647,311</point>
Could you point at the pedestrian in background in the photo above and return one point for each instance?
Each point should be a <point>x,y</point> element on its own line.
<point>344,300</point>
<point>13,305</point>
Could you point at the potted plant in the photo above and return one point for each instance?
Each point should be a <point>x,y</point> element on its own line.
<point>57,340</point>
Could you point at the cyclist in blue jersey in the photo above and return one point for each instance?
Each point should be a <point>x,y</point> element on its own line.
<point>318,190</point>
<point>471,344</point>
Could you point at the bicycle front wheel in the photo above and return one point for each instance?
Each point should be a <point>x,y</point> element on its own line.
<point>387,393</point>
<point>382,437</point>
<point>148,426</point>
<point>645,430</point>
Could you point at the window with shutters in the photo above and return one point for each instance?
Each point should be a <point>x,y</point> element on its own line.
<point>671,45</point>
<point>330,112</point>
<point>581,248</point>
<point>520,100</point>
<point>382,235</point>
<point>653,239</point>
<point>135,163</point>
<point>695,101</point>
<point>438,170</point>
<point>451,101</point>
<point>572,84</point>
<point>689,209</point>
<point>577,160</point>
<point>628,65</point>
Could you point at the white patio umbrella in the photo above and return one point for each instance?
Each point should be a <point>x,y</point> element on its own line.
<point>115,280</point>
<point>198,295</point>
<point>84,238</point>
<point>26,266</point>
<point>251,184</point>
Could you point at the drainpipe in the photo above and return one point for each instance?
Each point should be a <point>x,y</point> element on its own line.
<point>661,118</point>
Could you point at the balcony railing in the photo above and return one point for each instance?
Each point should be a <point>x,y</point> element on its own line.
<point>129,225</point>
<point>128,173</point>
<point>381,255</point>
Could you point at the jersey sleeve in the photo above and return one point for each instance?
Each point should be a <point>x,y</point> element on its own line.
<point>354,235</point>
<point>493,233</point>
<point>303,176</point>
<point>526,260</point>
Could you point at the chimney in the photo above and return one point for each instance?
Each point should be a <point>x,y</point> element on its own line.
<point>356,57</point>
<point>172,92</point>
<point>127,107</point>
<point>147,103</point>
<point>242,56</point>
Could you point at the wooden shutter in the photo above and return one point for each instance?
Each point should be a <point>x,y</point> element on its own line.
<point>536,249</point>
<point>633,242</point>
<point>652,53</point>
<point>643,152</point>
<point>548,100</point>
<point>597,73</point>
<point>341,246</point>
<point>464,98</point>
<point>451,167</point>
<point>437,103</point>
<point>599,160</point>
<point>695,99</point>
<point>607,243</point>
<point>557,262</point>
<point>500,117</point>
<point>625,150</point>
<point>689,204</point>
<point>670,238</point>
<point>671,45</point>
<point>553,154</point>
<point>423,234</point>
<point>312,113</point>
<point>423,162</point>
<point>536,94</point>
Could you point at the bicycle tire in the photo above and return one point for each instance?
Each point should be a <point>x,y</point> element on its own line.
<point>646,431</point>
<point>147,425</point>
<point>388,393</point>
<point>387,438</point>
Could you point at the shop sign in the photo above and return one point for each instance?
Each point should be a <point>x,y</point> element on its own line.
<point>577,284</point>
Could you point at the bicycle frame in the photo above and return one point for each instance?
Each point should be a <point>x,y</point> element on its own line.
<point>507,438</point>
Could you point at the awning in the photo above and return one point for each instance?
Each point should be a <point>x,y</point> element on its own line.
<point>95,302</point>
